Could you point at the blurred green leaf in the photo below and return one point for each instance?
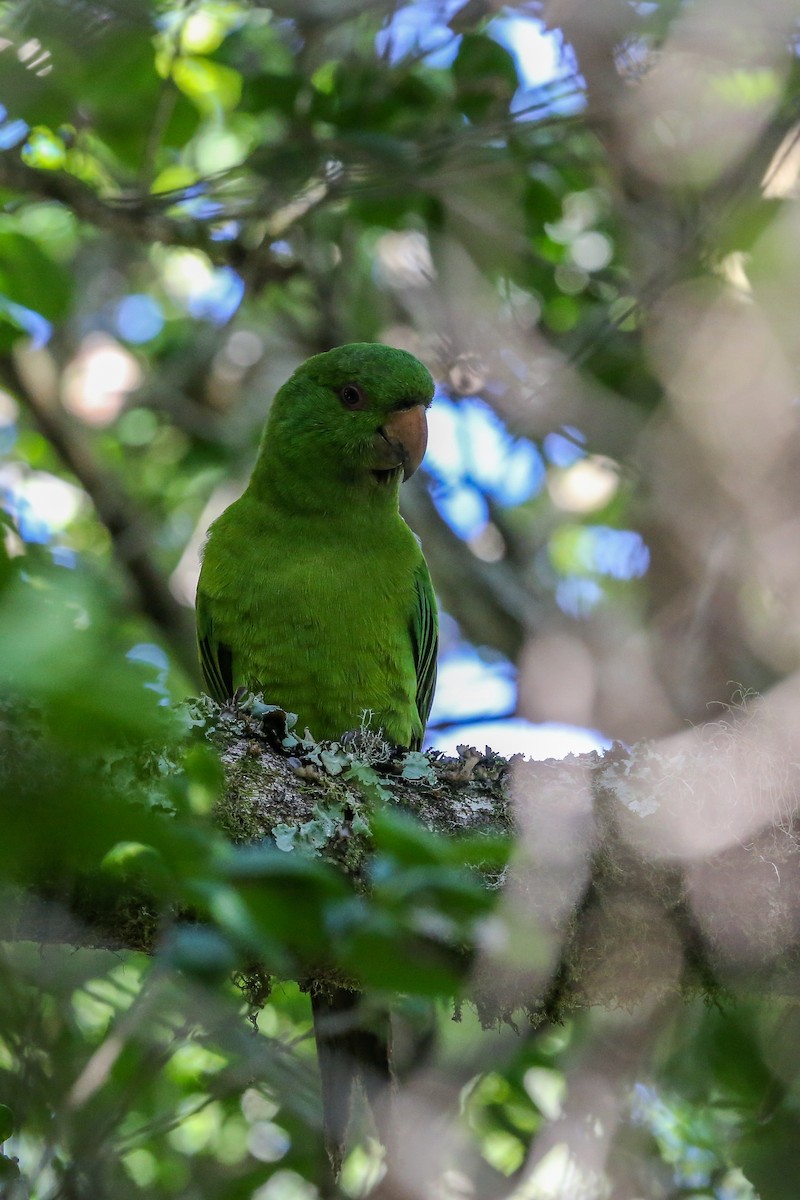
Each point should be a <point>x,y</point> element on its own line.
<point>267,90</point>
<point>30,277</point>
<point>9,1168</point>
<point>6,1123</point>
<point>485,75</point>
<point>209,85</point>
<point>11,328</point>
<point>383,955</point>
<point>770,1156</point>
<point>542,203</point>
<point>200,952</point>
<point>44,150</point>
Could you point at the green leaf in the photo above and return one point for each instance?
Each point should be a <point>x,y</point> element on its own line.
<point>239,919</point>
<point>173,178</point>
<point>404,839</point>
<point>9,1168</point>
<point>271,91</point>
<point>263,865</point>
<point>768,1154</point>
<point>135,860</point>
<point>486,76</point>
<point>212,87</point>
<point>11,330</point>
<point>483,850</point>
<point>6,1123</point>
<point>541,202</point>
<point>30,278</point>
<point>44,150</point>
<point>202,952</point>
<point>382,956</point>
<point>448,888</point>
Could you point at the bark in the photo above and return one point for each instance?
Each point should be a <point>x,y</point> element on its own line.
<point>633,876</point>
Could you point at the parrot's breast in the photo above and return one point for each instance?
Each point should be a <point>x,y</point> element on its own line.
<point>319,625</point>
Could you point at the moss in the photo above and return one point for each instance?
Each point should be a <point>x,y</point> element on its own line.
<point>626,920</point>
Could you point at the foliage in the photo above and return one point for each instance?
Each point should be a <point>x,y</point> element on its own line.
<point>600,269</point>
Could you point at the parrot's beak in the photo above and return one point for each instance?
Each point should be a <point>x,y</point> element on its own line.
<point>401,441</point>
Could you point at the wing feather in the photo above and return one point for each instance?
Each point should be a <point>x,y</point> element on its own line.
<point>216,658</point>
<point>425,642</point>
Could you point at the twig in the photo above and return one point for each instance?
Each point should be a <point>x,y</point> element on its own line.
<point>139,217</point>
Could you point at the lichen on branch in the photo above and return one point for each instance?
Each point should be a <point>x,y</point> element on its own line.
<point>608,879</point>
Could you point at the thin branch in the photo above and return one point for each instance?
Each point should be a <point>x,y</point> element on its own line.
<point>140,217</point>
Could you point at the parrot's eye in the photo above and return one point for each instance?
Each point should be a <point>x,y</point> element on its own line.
<point>352,396</point>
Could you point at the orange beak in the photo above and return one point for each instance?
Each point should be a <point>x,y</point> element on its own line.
<point>401,441</point>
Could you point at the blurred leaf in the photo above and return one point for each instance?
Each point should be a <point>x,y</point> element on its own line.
<point>266,91</point>
<point>210,85</point>
<point>746,222</point>
<point>486,76</point>
<point>542,203</point>
<point>770,1156</point>
<point>448,890</point>
<point>380,954</point>
<point>6,1123</point>
<point>11,328</point>
<point>9,1168</point>
<point>406,840</point>
<point>736,1062</point>
<point>30,277</point>
<point>44,150</point>
<point>201,952</point>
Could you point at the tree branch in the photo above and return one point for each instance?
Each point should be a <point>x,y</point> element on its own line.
<point>645,873</point>
<point>140,217</point>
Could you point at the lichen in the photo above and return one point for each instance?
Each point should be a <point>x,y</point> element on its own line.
<point>318,797</point>
<point>640,922</point>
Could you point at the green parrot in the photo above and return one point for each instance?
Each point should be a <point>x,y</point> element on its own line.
<point>313,589</point>
<point>315,592</point>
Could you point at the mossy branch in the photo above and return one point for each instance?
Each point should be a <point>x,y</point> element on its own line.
<point>632,874</point>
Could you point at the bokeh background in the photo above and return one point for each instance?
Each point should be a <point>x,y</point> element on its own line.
<point>583,217</point>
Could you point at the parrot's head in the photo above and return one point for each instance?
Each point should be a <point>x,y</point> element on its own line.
<point>354,416</point>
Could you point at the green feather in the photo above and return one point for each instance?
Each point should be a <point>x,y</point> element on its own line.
<point>425,643</point>
<point>313,589</point>
<point>215,657</point>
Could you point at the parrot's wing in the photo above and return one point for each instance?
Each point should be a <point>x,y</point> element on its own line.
<point>216,660</point>
<point>425,640</point>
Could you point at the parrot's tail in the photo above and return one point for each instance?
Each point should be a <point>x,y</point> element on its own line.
<point>349,1051</point>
